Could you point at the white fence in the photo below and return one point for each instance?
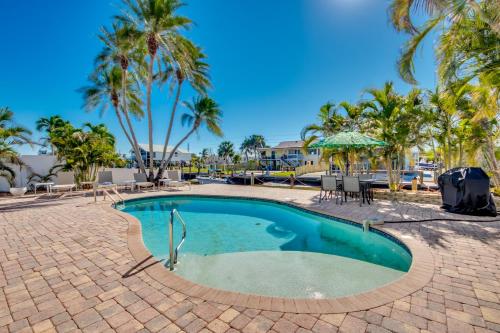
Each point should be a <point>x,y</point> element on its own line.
<point>41,164</point>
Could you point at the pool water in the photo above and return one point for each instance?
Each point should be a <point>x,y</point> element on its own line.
<point>266,248</point>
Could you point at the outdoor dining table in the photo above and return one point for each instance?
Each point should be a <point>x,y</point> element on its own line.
<point>366,188</point>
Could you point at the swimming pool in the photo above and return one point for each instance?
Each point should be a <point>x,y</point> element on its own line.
<point>268,248</point>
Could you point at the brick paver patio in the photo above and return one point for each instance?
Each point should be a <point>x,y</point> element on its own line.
<point>65,265</point>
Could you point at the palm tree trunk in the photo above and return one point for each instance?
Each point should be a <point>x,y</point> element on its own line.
<point>388,164</point>
<point>150,115</point>
<point>490,152</point>
<point>163,165</point>
<point>246,163</point>
<point>460,153</point>
<point>184,138</point>
<point>131,137</point>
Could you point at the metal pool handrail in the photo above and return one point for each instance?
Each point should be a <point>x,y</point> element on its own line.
<point>173,252</point>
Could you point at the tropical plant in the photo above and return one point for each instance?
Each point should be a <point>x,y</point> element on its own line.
<point>251,145</point>
<point>85,150</point>
<point>158,25</point>
<point>330,122</point>
<point>484,127</point>
<point>47,125</point>
<point>396,120</point>
<point>204,155</point>
<point>197,162</point>
<point>246,148</point>
<point>43,178</point>
<point>191,67</point>
<point>11,135</point>
<point>105,91</point>
<point>236,159</point>
<point>121,49</point>
<point>469,36</point>
<point>225,151</point>
<point>203,111</point>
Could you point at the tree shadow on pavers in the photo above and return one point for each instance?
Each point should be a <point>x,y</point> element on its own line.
<point>15,206</point>
<point>445,234</point>
<point>136,269</point>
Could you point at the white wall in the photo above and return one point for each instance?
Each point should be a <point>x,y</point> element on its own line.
<point>40,164</point>
<point>121,175</point>
<point>179,157</point>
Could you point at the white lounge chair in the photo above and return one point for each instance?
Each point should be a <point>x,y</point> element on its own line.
<point>175,180</point>
<point>141,181</point>
<point>65,181</point>
<point>104,183</point>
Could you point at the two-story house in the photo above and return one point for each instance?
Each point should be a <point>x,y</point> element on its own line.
<point>288,155</point>
<point>180,156</point>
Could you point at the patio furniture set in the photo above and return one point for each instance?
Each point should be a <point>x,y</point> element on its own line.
<point>65,181</point>
<point>341,187</point>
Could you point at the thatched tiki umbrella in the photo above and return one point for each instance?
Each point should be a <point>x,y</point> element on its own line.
<point>348,141</point>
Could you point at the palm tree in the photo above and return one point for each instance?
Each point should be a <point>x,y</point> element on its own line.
<point>246,147</point>
<point>468,49</point>
<point>204,111</point>
<point>48,125</point>
<point>353,116</point>
<point>105,90</point>
<point>257,142</point>
<point>225,151</point>
<point>11,135</point>
<point>451,17</point>
<point>122,48</point>
<point>330,122</point>
<point>158,25</point>
<point>383,113</point>
<point>485,100</point>
<point>190,66</point>
<point>85,150</point>
<point>204,154</point>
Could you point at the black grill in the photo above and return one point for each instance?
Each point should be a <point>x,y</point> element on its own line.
<point>467,191</point>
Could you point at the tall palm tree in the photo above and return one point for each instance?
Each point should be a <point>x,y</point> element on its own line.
<point>330,122</point>
<point>468,49</point>
<point>383,111</point>
<point>158,25</point>
<point>189,66</point>
<point>485,101</point>
<point>225,150</point>
<point>11,135</point>
<point>122,47</point>
<point>48,125</point>
<point>256,141</point>
<point>246,147</point>
<point>353,116</point>
<point>203,111</point>
<point>106,90</point>
<point>448,16</point>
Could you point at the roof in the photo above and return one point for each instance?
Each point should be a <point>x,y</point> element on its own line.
<point>159,148</point>
<point>290,144</point>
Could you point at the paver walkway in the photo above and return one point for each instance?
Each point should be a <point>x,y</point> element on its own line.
<point>65,266</point>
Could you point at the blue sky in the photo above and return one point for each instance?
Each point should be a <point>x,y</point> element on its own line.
<point>273,62</point>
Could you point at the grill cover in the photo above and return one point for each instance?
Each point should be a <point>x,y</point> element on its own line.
<point>467,191</point>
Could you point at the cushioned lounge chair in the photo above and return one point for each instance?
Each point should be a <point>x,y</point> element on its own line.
<point>175,180</point>
<point>141,181</point>
<point>65,181</point>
